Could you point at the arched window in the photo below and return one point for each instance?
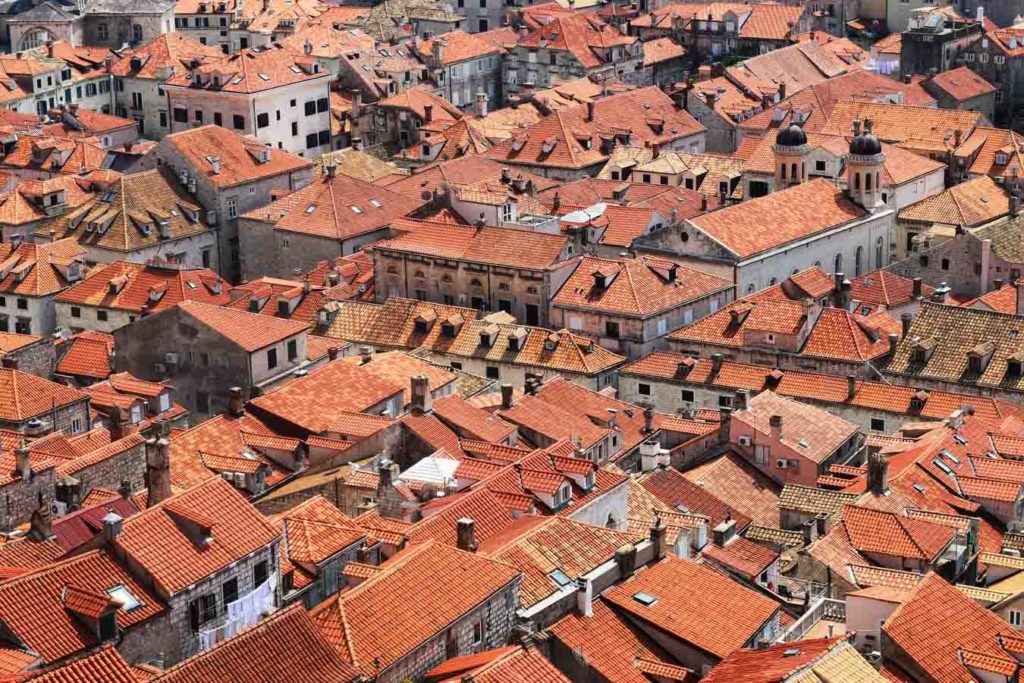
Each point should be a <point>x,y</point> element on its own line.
<point>838,264</point>
<point>446,278</point>
<point>793,176</point>
<point>419,274</point>
<point>783,169</point>
<point>475,283</point>
<point>856,181</point>
<point>878,180</point>
<point>35,38</point>
<point>867,182</point>
<point>879,253</point>
<point>857,255</point>
<point>803,170</point>
<point>773,282</point>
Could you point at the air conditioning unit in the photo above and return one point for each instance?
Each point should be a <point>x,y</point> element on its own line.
<point>160,369</point>
<point>171,358</point>
<point>211,218</point>
<point>781,463</point>
<point>745,441</point>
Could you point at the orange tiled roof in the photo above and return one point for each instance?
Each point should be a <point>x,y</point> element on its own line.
<point>695,605</point>
<point>883,288</point>
<point>240,155</point>
<point>673,489</point>
<point>104,664</point>
<point>611,644</point>
<point>339,207</point>
<point>312,403</point>
<point>24,396</point>
<point>795,213</point>
<point>248,71</point>
<point>459,46</point>
<point>731,478</point>
<point>138,285</point>
<point>961,84</point>
<point>584,35</point>
<point>771,21</point>
<point>167,51</point>
<point>938,621</point>
<point>885,533</point>
<point>33,610</point>
<point>922,129</point>
<point>285,646</point>
<point>380,621</point>
<point>968,204</point>
<point>822,432</point>
<point>87,355</point>
<point>154,542</point>
<point>639,287</point>
<point>36,269</point>
<point>506,665</point>
<point>841,335</point>
<point>470,421</point>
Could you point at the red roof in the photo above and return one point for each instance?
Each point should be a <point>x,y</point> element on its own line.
<point>695,605</point>
<point>137,284</point>
<point>287,646</point>
<point>87,355</point>
<point>936,623</point>
<point>507,665</point>
<point>104,664</point>
<point>773,664</point>
<point>961,84</point>
<point>250,331</point>
<point>886,533</point>
<point>33,610</point>
<point>155,542</point>
<point>24,396</point>
<point>419,593</point>
<point>676,491</point>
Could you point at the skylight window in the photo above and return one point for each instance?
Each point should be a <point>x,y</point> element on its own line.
<point>355,209</point>
<point>952,458</point>
<point>645,599</point>
<point>960,439</point>
<point>263,76</point>
<point>124,596</point>
<point>296,69</point>
<point>919,488</point>
<point>236,81</point>
<point>174,212</point>
<point>943,466</point>
<point>310,209</point>
<point>803,443</point>
<point>190,284</point>
<point>560,578</point>
<point>376,203</point>
<point>109,197</point>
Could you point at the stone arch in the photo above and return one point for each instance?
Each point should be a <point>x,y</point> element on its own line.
<point>36,36</point>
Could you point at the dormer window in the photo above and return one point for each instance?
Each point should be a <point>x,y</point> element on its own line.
<point>1015,366</point>
<point>1002,159</point>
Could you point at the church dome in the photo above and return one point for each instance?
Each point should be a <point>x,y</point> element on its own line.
<point>791,136</point>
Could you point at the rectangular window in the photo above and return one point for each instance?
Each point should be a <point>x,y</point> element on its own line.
<point>611,330</point>
<point>218,118</point>
<point>725,401</point>
<point>687,396</point>
<point>262,120</point>
<point>492,372</point>
<point>310,107</point>
<point>1014,617</point>
<point>101,315</point>
<point>163,119</point>
<point>293,350</point>
<point>198,115</point>
<point>761,454</point>
<point>322,105</point>
<point>180,115</point>
<point>311,141</point>
<point>202,610</point>
<point>232,207</point>
<point>76,312</point>
<point>260,573</point>
<point>271,359</point>
<point>643,389</point>
<point>230,591</point>
<point>238,121</point>
<point>202,402</point>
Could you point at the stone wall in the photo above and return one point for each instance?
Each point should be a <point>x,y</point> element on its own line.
<point>38,358</point>
<point>20,498</point>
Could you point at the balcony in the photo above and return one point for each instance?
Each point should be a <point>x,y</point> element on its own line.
<point>826,618</point>
<point>240,614</point>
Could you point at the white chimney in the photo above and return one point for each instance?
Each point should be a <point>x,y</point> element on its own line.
<point>215,163</point>
<point>585,596</point>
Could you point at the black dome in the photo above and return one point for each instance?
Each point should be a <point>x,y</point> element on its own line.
<point>865,144</point>
<point>791,136</point>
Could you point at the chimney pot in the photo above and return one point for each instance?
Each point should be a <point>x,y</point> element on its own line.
<point>775,423</point>
<point>506,396</point>
<point>421,398</point>
<point>917,288</point>
<point>658,537</point>
<point>466,535</point>
<point>158,466</point>
<point>112,526</point>
<point>625,559</point>
<point>585,596</point>
<point>905,320</point>
<point>236,404</point>
<point>648,420</point>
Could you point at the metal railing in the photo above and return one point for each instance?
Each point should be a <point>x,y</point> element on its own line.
<point>825,608</point>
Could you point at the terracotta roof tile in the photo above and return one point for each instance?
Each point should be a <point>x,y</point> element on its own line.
<point>33,610</point>
<point>822,432</point>
<point>921,129</point>
<point>609,642</point>
<point>154,541</point>
<point>961,84</point>
<point>730,478</point>
<point>968,204</point>
<point>87,355</point>
<point>23,396</point>
<point>695,605</point>
<point>104,664</point>
<point>32,268</point>
<point>250,331</point>
<point>136,284</point>
<point>362,624</point>
<point>797,212</point>
<point>679,493</point>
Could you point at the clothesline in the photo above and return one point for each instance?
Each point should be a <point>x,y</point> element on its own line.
<point>241,614</point>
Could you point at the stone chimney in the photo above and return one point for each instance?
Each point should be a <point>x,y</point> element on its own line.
<point>905,320</point>
<point>113,525</point>
<point>236,404</point>
<point>506,396</point>
<point>648,420</point>
<point>466,535</point>
<point>116,423</point>
<point>585,596</point>
<point>724,532</point>
<point>158,466</point>
<point>69,492</point>
<point>41,523</point>
<point>23,461</point>
<point>851,387</point>
<point>740,399</point>
<point>775,423</point>
<point>590,111</point>
<point>365,354</point>
<point>658,537</point>
<point>916,292</point>
<point>625,560</point>
<point>421,400</point>
<point>716,363</point>
<point>428,112</point>
<point>878,470</point>
<point>437,51</point>
<point>332,353</point>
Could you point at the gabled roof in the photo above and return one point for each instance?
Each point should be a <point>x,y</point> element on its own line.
<point>164,55</point>
<point>967,205</point>
<point>417,100</point>
<point>250,331</point>
<point>679,493</point>
<point>240,155</point>
<point>567,139</point>
<point>884,288</point>
<point>938,622</point>
<point>886,533</point>
<point>921,129</point>
<point>510,664</point>
<point>104,664</point>
<point>583,34</point>
<point>637,287</point>
<point>961,84</point>
<point>610,643</point>
<point>458,46</point>
<point>24,396</point>
<point>695,605</point>
<point>539,546</point>
<point>156,542</point>
<point>139,287</point>
<point>381,621</point>
<point>285,646</point>
<point>795,213</point>
<point>805,661</point>
<point>731,478</point>
<point>338,207</point>
<point>32,606</point>
<point>38,269</point>
<point>313,403</point>
<point>87,354</point>
<point>812,432</point>
<point>248,71</point>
